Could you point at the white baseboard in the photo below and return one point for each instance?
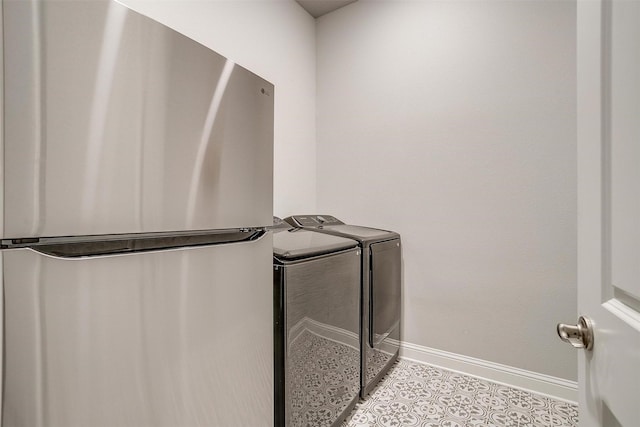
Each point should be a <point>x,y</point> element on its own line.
<point>547,385</point>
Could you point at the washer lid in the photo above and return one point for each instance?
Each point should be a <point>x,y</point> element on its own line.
<point>298,243</point>
<point>361,233</point>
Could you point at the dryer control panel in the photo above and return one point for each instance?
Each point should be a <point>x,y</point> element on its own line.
<point>313,220</point>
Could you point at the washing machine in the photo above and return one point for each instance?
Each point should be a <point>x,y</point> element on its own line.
<point>316,288</point>
<point>380,292</point>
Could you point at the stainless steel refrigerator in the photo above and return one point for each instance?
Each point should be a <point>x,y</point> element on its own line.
<point>137,188</point>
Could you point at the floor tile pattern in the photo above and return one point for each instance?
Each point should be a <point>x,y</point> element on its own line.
<point>414,394</point>
<point>322,380</point>
<point>376,360</point>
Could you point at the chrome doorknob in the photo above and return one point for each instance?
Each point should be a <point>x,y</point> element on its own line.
<point>580,335</point>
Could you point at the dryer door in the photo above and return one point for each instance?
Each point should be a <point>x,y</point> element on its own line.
<point>384,303</point>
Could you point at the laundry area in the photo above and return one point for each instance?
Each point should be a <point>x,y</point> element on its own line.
<point>319,213</point>
<point>322,293</point>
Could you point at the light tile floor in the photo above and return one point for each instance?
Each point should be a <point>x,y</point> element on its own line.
<point>414,394</point>
<point>323,377</point>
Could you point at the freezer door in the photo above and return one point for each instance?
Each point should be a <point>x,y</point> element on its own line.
<point>115,123</point>
<point>170,338</point>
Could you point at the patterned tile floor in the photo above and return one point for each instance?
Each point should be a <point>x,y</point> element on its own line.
<point>322,380</point>
<point>413,394</point>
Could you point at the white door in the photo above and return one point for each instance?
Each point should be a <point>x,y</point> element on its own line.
<point>609,210</point>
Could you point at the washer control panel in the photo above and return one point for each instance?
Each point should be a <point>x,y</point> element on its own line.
<point>314,220</point>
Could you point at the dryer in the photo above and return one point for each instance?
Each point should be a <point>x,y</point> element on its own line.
<point>380,304</point>
<point>316,288</point>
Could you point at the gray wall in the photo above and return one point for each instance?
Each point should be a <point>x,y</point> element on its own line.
<point>454,124</point>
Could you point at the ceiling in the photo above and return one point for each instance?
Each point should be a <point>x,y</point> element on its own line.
<point>318,8</point>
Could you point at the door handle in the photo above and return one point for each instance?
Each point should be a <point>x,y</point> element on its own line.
<point>580,335</point>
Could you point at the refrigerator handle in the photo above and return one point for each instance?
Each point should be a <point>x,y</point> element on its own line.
<point>90,246</point>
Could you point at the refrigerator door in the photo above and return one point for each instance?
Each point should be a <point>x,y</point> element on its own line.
<point>115,123</point>
<point>170,338</point>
